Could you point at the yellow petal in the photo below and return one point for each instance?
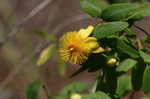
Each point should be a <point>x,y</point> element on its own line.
<point>98,50</point>
<point>91,43</point>
<point>86,32</point>
<point>91,39</point>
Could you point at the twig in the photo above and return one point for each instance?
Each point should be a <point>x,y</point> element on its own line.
<point>20,68</point>
<point>142,29</point>
<point>31,14</point>
<point>35,11</point>
<point>68,22</point>
<point>14,31</point>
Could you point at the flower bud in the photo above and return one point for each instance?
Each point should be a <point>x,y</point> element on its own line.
<point>76,96</point>
<point>111,61</point>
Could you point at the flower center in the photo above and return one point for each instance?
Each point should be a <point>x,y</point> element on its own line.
<point>72,48</point>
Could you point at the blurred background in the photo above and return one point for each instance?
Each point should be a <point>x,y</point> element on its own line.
<point>20,46</point>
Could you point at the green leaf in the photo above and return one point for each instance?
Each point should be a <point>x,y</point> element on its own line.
<point>146,97</point>
<point>125,65</point>
<point>109,29</point>
<point>130,32</point>
<point>118,12</point>
<point>127,49</point>
<point>146,80</point>
<point>137,75</point>
<point>92,7</point>
<point>97,95</point>
<point>32,90</point>
<point>147,39</point>
<point>142,11</point>
<point>124,85</point>
<point>145,57</point>
<point>73,88</point>
<point>46,36</point>
<point>46,54</point>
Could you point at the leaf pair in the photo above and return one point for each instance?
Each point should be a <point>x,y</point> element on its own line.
<point>115,12</point>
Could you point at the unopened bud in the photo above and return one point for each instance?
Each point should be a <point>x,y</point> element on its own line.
<point>112,61</point>
<point>76,96</point>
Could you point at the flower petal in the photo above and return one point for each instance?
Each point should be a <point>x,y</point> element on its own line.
<point>91,43</point>
<point>86,32</point>
<point>98,50</point>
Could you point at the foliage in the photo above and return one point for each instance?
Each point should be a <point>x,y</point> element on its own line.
<point>32,90</point>
<point>120,44</point>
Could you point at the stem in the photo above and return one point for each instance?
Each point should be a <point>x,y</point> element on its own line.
<point>140,46</point>
<point>142,29</point>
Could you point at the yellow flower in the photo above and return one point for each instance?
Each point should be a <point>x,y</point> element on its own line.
<point>77,45</point>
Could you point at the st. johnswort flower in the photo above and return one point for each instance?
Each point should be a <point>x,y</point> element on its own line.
<point>76,46</point>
